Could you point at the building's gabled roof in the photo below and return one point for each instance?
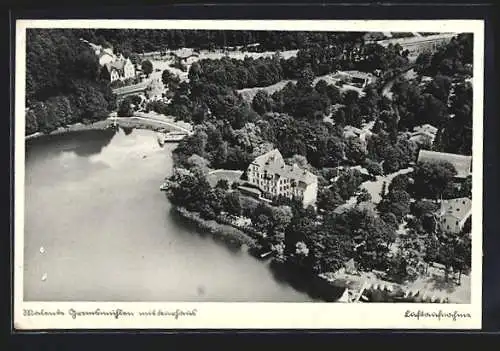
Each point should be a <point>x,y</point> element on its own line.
<point>415,40</point>
<point>461,163</point>
<point>459,208</point>
<point>425,128</point>
<point>185,53</point>
<point>119,65</point>
<point>274,164</point>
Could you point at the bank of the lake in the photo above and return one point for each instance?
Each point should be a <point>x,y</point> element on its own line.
<point>124,122</point>
<point>92,202</point>
<point>222,232</point>
<point>314,285</point>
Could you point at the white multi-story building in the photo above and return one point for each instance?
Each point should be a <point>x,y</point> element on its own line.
<point>274,177</point>
<point>453,214</point>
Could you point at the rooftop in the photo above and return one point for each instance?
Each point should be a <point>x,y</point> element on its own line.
<point>458,208</point>
<point>412,40</point>
<point>274,164</point>
<point>462,163</point>
<point>426,128</point>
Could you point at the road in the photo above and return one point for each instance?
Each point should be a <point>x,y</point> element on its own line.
<point>375,187</point>
<point>386,90</point>
<point>130,89</point>
<point>156,119</point>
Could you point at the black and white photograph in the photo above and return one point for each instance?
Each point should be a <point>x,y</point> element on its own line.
<point>192,163</point>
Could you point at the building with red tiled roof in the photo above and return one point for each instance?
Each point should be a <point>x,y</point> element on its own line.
<point>274,177</point>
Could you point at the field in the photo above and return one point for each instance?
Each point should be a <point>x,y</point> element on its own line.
<point>212,55</point>
<point>249,93</point>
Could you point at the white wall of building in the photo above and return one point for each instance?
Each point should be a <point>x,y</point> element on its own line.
<point>129,69</point>
<point>310,194</point>
<point>452,224</point>
<point>114,75</point>
<point>281,186</point>
<point>105,59</point>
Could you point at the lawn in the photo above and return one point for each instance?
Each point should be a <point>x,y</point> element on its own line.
<point>229,175</point>
<point>375,187</point>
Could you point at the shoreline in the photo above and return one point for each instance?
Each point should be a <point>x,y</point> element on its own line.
<point>124,122</point>
<point>222,232</point>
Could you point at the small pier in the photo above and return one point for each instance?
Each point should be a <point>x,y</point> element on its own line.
<point>170,137</point>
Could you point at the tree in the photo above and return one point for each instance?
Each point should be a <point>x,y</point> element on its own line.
<point>222,184</point>
<point>189,189</point>
<point>364,196</point>
<point>262,102</point>
<point>396,202</point>
<point>373,167</point>
<point>31,122</point>
<point>197,162</point>
<point>400,182</point>
<point>134,58</point>
<point>390,219</point>
<point>170,80</point>
<point>232,203</point>
<point>431,179</point>
<point>89,102</point>
<point>125,109</point>
<point>329,199</point>
<point>306,79</point>
<point>421,207</point>
<point>398,266</point>
<point>383,190</point>
<point>62,81</point>
<point>147,67</point>
<point>355,150</point>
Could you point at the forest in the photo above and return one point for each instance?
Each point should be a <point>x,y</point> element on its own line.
<point>62,81</point>
<point>146,40</point>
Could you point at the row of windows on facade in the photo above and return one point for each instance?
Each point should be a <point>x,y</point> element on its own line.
<point>267,176</point>
<point>282,188</point>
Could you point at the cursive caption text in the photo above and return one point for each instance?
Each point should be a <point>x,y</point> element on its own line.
<point>114,313</point>
<point>439,315</point>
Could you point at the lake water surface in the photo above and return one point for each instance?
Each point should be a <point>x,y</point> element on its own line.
<point>93,203</point>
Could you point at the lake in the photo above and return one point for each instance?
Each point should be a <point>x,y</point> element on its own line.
<point>92,201</point>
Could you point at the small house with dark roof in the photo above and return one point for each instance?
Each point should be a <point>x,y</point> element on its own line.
<point>274,177</point>
<point>185,54</point>
<point>453,214</point>
<point>462,163</point>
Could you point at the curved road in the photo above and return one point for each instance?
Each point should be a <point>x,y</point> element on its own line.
<point>386,89</point>
<point>154,119</point>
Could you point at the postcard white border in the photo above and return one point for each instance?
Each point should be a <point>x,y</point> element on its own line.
<point>256,315</point>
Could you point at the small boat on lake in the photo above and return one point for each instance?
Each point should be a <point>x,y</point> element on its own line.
<point>265,254</point>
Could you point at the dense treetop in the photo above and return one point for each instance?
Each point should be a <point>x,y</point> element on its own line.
<point>62,81</point>
<point>145,40</point>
